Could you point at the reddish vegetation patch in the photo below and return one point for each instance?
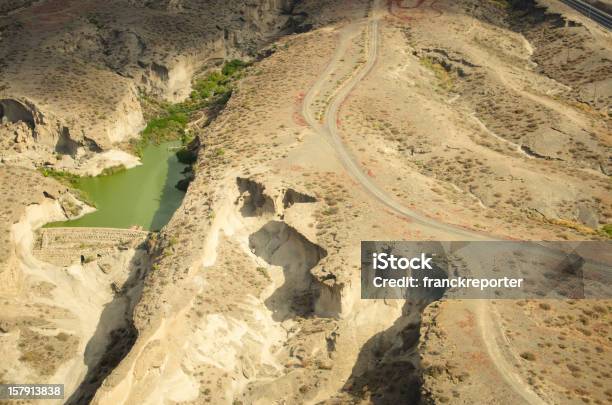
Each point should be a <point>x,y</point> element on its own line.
<point>400,217</point>
<point>469,322</point>
<point>402,16</point>
<point>405,219</point>
<point>398,4</point>
<point>298,118</point>
<point>479,358</point>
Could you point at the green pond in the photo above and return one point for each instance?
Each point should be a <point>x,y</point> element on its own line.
<point>144,195</point>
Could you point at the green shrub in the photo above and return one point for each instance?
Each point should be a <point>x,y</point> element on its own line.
<point>445,78</point>
<point>233,66</point>
<point>113,170</point>
<point>171,120</point>
<point>70,180</point>
<point>63,177</point>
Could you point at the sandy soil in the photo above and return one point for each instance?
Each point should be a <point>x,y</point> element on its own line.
<point>388,120</point>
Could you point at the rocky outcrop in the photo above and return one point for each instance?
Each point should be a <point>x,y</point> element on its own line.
<point>35,131</point>
<point>79,85</point>
<point>78,313</point>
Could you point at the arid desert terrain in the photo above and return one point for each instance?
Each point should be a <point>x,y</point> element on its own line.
<point>306,127</point>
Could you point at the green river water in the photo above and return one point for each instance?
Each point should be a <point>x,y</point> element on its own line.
<point>144,195</point>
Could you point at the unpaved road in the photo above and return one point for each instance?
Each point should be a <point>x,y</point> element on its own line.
<point>492,336</point>
<point>329,129</point>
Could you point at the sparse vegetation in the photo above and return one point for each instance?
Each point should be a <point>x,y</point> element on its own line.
<point>170,120</point>
<point>264,272</point>
<point>113,170</point>
<point>545,306</point>
<point>606,230</point>
<point>445,78</point>
<point>69,179</point>
<point>528,356</point>
<point>504,4</point>
<point>63,177</point>
<point>45,353</point>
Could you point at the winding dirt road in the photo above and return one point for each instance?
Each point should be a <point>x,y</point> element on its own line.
<point>328,128</point>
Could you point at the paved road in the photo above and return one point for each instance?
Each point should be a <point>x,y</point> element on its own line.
<point>598,15</point>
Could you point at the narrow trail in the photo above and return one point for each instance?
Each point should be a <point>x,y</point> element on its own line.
<point>328,128</point>
<point>493,339</point>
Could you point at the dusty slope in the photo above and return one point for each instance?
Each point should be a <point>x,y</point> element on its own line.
<point>234,311</point>
<point>70,76</point>
<point>547,351</point>
<point>74,70</point>
<point>253,295</point>
<point>255,302</point>
<point>55,320</point>
<point>484,126</point>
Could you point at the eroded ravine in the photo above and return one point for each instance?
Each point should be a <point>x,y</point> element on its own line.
<point>94,298</point>
<point>115,334</point>
<point>281,245</point>
<point>387,363</point>
<point>328,127</point>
